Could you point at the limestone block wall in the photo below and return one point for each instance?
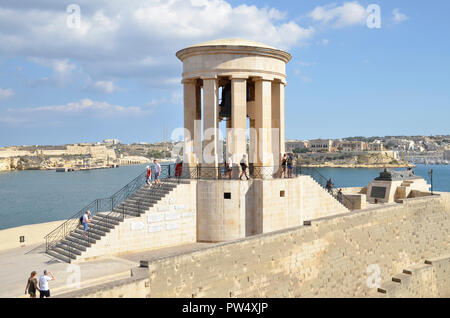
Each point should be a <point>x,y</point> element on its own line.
<point>221,219</point>
<point>259,206</point>
<point>280,204</point>
<point>429,279</point>
<point>336,256</point>
<point>171,222</point>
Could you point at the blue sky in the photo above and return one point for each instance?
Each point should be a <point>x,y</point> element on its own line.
<point>116,76</point>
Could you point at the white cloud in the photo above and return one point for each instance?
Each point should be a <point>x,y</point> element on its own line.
<point>62,68</point>
<point>137,40</point>
<point>348,14</point>
<point>6,92</point>
<point>105,86</point>
<point>398,17</point>
<point>83,106</point>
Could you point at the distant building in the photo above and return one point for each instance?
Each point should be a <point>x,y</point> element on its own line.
<point>352,145</point>
<point>321,144</point>
<point>111,141</point>
<point>291,145</point>
<point>377,145</point>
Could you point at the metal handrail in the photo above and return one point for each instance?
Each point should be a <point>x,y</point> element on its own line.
<point>96,206</point>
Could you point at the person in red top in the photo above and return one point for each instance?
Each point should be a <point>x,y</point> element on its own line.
<point>178,167</point>
<point>149,174</point>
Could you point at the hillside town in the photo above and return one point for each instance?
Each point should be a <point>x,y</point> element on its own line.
<point>83,156</point>
<point>389,151</point>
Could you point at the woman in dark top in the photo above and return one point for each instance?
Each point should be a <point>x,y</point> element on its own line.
<point>244,166</point>
<point>283,166</point>
<point>32,285</point>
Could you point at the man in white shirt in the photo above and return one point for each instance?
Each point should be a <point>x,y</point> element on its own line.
<point>86,220</point>
<point>44,291</point>
<point>157,171</point>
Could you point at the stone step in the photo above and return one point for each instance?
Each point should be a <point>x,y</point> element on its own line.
<point>148,195</point>
<point>128,212</point>
<point>91,234</point>
<point>81,238</point>
<point>76,248</point>
<point>140,203</point>
<point>110,219</point>
<point>99,227</point>
<point>75,242</point>
<point>105,221</point>
<point>145,203</point>
<point>177,181</point>
<point>64,252</point>
<point>59,256</point>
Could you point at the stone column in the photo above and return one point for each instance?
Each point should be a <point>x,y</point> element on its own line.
<point>278,134</point>
<point>263,122</point>
<point>190,115</point>
<point>238,118</point>
<point>210,119</point>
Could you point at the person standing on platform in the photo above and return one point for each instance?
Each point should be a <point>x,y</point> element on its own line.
<point>244,166</point>
<point>283,166</point>
<point>157,172</point>
<point>149,175</point>
<point>229,166</point>
<point>290,164</point>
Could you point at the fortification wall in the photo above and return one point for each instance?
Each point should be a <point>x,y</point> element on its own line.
<point>430,279</point>
<point>335,256</point>
<point>339,256</point>
<point>170,222</point>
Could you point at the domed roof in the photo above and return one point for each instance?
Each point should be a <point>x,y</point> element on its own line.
<point>233,42</point>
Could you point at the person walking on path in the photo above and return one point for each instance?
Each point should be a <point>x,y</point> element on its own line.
<point>44,290</point>
<point>283,166</point>
<point>32,285</point>
<point>157,172</point>
<point>85,220</point>
<point>244,166</point>
<point>149,174</point>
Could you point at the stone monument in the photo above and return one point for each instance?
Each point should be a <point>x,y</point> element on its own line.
<point>391,186</point>
<point>252,79</point>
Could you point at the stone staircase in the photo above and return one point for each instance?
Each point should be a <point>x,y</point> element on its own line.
<point>75,244</point>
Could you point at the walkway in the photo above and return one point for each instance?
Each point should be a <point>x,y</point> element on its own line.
<point>18,263</point>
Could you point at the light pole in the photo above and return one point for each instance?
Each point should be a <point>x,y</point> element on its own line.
<point>430,173</point>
